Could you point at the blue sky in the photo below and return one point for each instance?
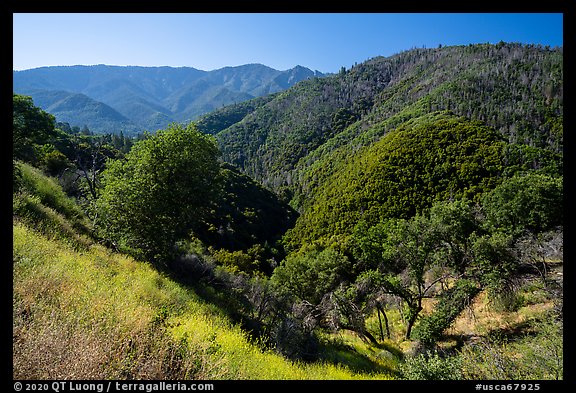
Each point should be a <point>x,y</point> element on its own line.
<point>323,42</point>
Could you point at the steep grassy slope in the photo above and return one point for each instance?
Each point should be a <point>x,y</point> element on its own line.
<point>83,311</point>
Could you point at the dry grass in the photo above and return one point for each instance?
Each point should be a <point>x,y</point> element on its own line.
<point>481,317</point>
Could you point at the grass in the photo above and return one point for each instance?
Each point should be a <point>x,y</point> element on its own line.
<point>41,203</point>
<point>93,313</point>
<point>345,347</point>
<point>99,314</point>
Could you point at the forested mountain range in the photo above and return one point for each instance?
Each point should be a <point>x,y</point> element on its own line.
<point>300,141</point>
<point>513,88</point>
<point>131,99</point>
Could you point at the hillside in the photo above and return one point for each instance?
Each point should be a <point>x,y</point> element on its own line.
<point>294,141</point>
<point>427,159</point>
<point>402,219</point>
<point>148,98</point>
<point>79,109</point>
<point>100,314</point>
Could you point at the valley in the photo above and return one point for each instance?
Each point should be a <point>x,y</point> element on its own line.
<point>400,219</point>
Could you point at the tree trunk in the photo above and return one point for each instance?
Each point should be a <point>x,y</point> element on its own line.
<point>381,310</point>
<point>411,320</point>
<point>370,337</point>
<point>380,322</point>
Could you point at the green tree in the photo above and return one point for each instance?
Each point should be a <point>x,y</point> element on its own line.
<point>416,258</point>
<point>31,126</point>
<point>450,304</point>
<point>532,202</point>
<point>161,192</point>
<point>309,275</point>
<point>407,251</point>
<point>53,161</point>
<point>455,223</point>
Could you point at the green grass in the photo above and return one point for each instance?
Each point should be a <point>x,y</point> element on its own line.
<point>346,348</point>
<point>41,203</point>
<point>49,192</point>
<point>82,311</point>
<point>100,314</point>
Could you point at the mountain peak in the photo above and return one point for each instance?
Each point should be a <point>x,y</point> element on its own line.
<point>143,95</point>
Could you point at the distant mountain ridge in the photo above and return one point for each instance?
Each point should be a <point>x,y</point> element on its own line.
<point>133,98</point>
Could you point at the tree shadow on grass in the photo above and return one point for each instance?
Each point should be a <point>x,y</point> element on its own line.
<point>343,354</point>
<point>501,335</point>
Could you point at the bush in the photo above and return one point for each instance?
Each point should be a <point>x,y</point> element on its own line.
<point>431,366</point>
<point>451,304</point>
<point>55,162</point>
<point>311,274</point>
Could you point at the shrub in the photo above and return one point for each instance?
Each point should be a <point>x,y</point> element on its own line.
<point>451,304</point>
<point>431,366</point>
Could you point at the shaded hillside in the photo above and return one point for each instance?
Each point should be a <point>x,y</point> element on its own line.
<point>246,214</point>
<point>152,97</point>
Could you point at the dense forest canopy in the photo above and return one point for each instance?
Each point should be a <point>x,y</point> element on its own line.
<point>432,158</point>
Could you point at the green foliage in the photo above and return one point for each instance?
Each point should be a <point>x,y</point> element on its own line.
<point>161,192</point>
<point>53,161</point>
<point>252,261</point>
<point>402,246</point>
<point>450,304</point>
<point>244,214</point>
<point>103,315</point>
<point>220,119</point>
<point>515,89</point>
<point>72,155</point>
<point>411,186</point>
<point>431,366</point>
<point>525,158</point>
<point>41,202</point>
<point>310,274</point>
<point>428,159</point>
<point>532,202</point>
<point>455,222</point>
<point>33,182</point>
<point>31,127</point>
<point>494,264</point>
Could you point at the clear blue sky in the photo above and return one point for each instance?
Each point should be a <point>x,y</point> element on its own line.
<point>323,42</point>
